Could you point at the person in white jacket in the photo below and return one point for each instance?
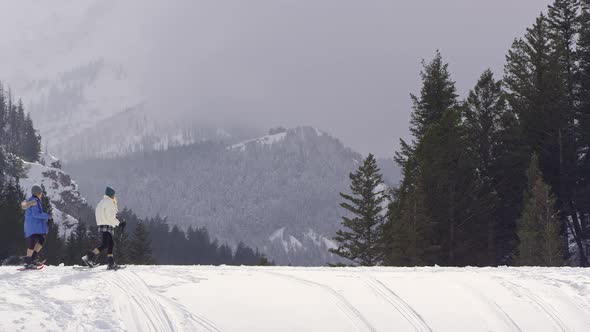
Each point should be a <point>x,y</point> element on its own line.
<point>107,220</point>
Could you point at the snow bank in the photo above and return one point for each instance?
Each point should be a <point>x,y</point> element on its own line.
<point>202,298</point>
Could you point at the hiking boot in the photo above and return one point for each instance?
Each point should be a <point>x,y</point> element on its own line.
<point>112,264</point>
<point>88,261</point>
<point>30,266</point>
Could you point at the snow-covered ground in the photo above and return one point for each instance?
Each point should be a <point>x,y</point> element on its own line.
<point>203,298</point>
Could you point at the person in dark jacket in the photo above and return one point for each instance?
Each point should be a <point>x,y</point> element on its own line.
<point>35,227</point>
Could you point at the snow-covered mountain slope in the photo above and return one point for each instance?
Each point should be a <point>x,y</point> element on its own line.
<point>278,192</point>
<point>61,189</point>
<point>203,298</point>
<point>135,130</point>
<point>261,141</point>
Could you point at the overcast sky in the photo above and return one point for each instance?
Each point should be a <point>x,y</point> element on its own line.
<point>344,66</point>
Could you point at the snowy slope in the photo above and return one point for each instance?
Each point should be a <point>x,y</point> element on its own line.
<point>169,298</point>
<point>61,189</point>
<point>261,141</point>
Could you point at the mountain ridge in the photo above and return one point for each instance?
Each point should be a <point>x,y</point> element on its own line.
<point>278,192</point>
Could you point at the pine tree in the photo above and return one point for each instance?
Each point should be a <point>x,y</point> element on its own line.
<point>452,193</point>
<point>224,255</point>
<point>11,222</point>
<point>78,243</point>
<point>121,250</point>
<point>361,238</point>
<point>140,249</point>
<point>508,168</point>
<point>538,229</point>
<point>537,76</point>
<point>244,255</point>
<point>583,129</point>
<point>483,120</point>
<point>32,141</point>
<point>264,261</point>
<point>178,246</point>
<point>438,95</point>
<point>485,107</point>
<point>46,201</point>
<point>564,23</point>
<point>54,249</point>
<point>408,231</point>
<point>3,116</point>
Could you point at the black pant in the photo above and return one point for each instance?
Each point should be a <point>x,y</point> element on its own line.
<point>107,243</point>
<point>36,238</point>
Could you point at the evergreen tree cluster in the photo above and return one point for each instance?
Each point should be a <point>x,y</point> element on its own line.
<point>153,241</point>
<point>466,197</point>
<point>18,136</point>
<point>18,141</point>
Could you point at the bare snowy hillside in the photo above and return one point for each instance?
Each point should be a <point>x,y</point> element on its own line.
<point>204,298</point>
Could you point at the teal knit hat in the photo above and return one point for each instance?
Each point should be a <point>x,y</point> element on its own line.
<point>110,192</point>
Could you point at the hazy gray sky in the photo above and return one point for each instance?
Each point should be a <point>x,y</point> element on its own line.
<point>346,67</point>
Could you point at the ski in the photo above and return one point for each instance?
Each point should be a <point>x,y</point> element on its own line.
<point>84,268</point>
<point>120,267</point>
<point>38,267</point>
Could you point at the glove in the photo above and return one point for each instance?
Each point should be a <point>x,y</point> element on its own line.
<point>50,219</point>
<point>122,225</point>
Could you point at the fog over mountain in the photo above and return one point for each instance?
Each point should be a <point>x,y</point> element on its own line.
<point>346,67</point>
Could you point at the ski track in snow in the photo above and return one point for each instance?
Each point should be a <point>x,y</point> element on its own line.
<point>341,302</point>
<point>493,305</point>
<point>544,306</point>
<point>68,314</point>
<point>150,307</point>
<point>397,303</point>
<point>170,298</point>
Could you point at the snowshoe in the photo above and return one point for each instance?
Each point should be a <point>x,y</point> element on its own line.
<point>85,267</point>
<point>38,262</point>
<point>113,265</point>
<point>89,262</point>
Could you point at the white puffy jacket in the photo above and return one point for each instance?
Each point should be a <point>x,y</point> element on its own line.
<point>106,212</point>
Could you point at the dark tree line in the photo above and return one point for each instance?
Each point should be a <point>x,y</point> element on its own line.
<point>501,177</point>
<point>141,242</point>
<point>149,241</point>
<point>18,141</point>
<point>17,134</point>
<point>172,245</point>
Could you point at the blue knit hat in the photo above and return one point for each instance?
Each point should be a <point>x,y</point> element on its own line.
<point>110,192</point>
